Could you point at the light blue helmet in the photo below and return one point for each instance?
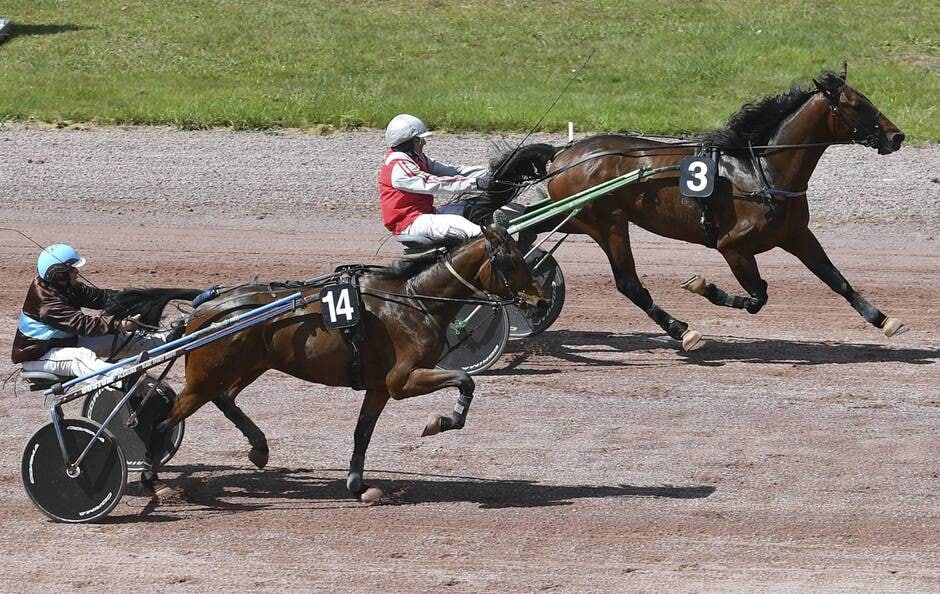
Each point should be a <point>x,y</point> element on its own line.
<point>61,254</point>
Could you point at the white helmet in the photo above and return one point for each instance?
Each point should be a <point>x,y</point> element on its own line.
<point>403,128</point>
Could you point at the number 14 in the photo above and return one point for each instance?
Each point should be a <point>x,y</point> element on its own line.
<point>342,306</point>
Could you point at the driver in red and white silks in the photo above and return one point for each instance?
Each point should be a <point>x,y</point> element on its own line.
<point>409,180</point>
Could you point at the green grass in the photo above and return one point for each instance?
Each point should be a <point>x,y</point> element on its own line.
<point>470,65</point>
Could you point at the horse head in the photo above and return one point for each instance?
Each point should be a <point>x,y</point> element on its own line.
<point>515,168</point>
<point>855,118</point>
<point>505,272</point>
<point>148,304</point>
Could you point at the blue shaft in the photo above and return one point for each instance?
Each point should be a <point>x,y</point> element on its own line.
<point>243,317</point>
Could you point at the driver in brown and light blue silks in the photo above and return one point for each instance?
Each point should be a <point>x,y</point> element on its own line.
<point>54,334</point>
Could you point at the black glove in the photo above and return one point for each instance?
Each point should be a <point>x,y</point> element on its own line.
<point>486,183</point>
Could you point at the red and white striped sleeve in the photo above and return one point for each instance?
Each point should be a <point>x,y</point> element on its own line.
<point>407,176</point>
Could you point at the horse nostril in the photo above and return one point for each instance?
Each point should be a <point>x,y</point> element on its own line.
<point>897,139</point>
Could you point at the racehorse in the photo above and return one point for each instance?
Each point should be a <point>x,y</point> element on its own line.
<point>406,309</point>
<point>768,151</point>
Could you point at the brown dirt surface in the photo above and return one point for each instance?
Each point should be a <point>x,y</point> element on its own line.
<point>798,450</point>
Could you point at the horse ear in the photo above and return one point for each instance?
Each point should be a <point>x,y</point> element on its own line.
<point>845,70</point>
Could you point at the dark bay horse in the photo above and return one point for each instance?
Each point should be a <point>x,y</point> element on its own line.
<point>759,201</point>
<point>406,310</point>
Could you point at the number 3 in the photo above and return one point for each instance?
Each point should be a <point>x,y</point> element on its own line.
<point>699,171</point>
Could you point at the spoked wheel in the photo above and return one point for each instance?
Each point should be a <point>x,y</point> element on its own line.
<point>89,492</point>
<point>134,439</point>
<point>476,338</point>
<point>549,276</point>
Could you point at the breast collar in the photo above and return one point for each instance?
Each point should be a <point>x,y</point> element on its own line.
<point>768,190</point>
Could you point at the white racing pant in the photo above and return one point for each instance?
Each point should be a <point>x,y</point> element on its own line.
<point>441,226</point>
<point>90,354</point>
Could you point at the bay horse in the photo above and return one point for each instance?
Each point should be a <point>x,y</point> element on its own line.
<point>768,151</point>
<point>406,309</point>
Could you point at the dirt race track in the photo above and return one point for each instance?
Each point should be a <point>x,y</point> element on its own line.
<point>798,450</point>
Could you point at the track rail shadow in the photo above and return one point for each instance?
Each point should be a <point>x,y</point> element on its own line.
<point>25,30</point>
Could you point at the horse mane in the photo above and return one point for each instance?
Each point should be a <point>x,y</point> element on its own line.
<point>516,166</point>
<point>755,122</point>
<point>148,303</point>
<point>523,163</point>
<point>409,267</point>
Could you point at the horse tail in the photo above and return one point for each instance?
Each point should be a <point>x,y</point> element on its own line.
<point>147,303</point>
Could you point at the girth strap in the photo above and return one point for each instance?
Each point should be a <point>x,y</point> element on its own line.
<point>353,334</point>
<point>353,337</point>
<point>705,202</point>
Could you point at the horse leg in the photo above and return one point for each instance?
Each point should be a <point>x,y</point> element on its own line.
<point>806,247</point>
<point>187,403</point>
<point>259,443</point>
<point>417,382</point>
<point>744,267</point>
<point>372,406</point>
<point>425,381</point>
<point>624,268</point>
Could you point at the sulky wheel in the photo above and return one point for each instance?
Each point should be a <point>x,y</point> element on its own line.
<point>475,339</point>
<point>549,276</point>
<point>85,495</point>
<point>133,440</point>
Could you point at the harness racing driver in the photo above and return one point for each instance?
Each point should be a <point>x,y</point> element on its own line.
<point>409,180</point>
<point>54,334</point>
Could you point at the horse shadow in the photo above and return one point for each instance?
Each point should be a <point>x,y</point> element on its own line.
<point>586,347</point>
<point>238,489</point>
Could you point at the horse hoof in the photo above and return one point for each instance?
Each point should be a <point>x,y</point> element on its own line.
<point>894,327</point>
<point>258,457</point>
<point>692,340</point>
<point>163,493</point>
<point>433,427</point>
<point>696,285</point>
<point>371,495</point>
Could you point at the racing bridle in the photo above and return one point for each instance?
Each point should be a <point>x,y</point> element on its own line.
<point>866,133</point>
<point>499,260</point>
